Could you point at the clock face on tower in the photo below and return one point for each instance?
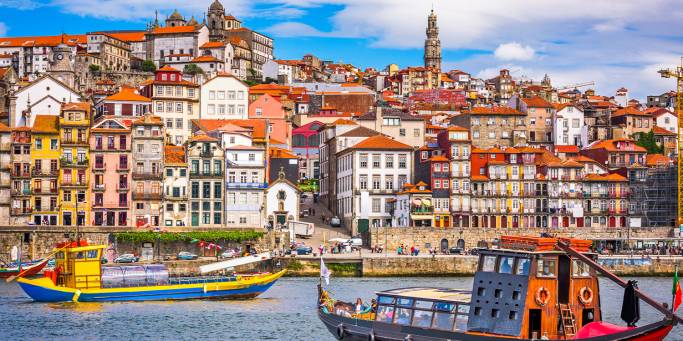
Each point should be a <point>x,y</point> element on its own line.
<point>59,57</point>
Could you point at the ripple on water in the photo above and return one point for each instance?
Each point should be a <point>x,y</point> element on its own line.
<point>285,312</point>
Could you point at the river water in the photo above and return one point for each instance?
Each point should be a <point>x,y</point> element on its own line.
<point>285,312</point>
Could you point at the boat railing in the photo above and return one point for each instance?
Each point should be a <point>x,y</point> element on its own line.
<point>169,281</point>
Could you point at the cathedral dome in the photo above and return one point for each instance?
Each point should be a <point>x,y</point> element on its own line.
<point>192,22</point>
<point>176,15</point>
<point>216,6</point>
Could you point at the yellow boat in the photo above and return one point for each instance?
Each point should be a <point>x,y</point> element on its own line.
<point>80,277</point>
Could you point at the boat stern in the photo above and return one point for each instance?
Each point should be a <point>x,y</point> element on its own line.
<point>44,290</point>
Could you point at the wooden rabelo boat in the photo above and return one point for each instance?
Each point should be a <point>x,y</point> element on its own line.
<point>25,270</point>
<point>80,277</point>
<point>527,289</point>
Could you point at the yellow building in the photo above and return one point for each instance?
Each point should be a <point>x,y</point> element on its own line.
<point>45,154</point>
<point>74,178</point>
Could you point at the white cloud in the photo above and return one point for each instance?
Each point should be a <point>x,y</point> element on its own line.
<point>514,51</point>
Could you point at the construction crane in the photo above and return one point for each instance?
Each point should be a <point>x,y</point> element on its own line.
<point>575,86</point>
<point>677,73</point>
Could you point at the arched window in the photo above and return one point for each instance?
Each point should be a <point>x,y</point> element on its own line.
<point>298,140</point>
<point>313,140</point>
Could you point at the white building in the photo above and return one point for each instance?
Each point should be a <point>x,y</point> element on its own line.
<point>172,40</point>
<point>245,186</point>
<point>282,201</point>
<point>568,121</point>
<point>44,96</point>
<point>175,187</point>
<point>369,174</point>
<point>279,69</point>
<point>664,118</point>
<point>224,97</point>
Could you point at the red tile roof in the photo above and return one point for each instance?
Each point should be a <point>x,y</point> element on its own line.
<point>127,94</point>
<point>566,149</point>
<point>661,131</point>
<point>212,44</point>
<point>611,146</point>
<point>205,59</point>
<point>279,153</point>
<point>658,160</point>
<point>131,37</point>
<point>77,106</point>
<point>630,111</point>
<point>605,177</point>
<point>258,126</point>
<point>495,111</point>
<point>70,40</point>
<point>380,142</point>
<point>202,137</point>
<point>174,155</point>
<point>46,124</point>
<point>537,102</point>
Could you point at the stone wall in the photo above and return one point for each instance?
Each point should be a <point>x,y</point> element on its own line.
<point>39,241</point>
<point>393,237</point>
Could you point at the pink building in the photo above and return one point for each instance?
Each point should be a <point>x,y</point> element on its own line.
<point>267,107</point>
<point>110,164</point>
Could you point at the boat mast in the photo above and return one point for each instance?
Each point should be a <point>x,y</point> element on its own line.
<point>564,246</point>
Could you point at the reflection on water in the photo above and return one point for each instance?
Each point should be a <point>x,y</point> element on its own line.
<point>285,312</point>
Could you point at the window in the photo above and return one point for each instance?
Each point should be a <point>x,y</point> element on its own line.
<point>211,109</point>
<point>212,95</point>
<point>385,313</point>
<point>363,160</point>
<point>402,161</point>
<point>389,182</point>
<point>489,264</point>
<point>376,182</point>
<point>376,205</point>
<point>546,268</point>
<point>389,161</point>
<point>363,182</point>
<point>402,132</point>
<point>506,265</point>
<point>580,269</point>
<point>376,161</point>
<point>39,144</point>
<point>53,144</point>
<point>416,132</point>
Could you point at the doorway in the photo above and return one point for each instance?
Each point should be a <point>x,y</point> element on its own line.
<point>563,279</point>
<point>534,324</point>
<point>444,245</point>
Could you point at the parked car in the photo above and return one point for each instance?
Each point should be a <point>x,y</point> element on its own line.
<point>455,251</point>
<point>304,250</point>
<point>335,221</point>
<point>126,258</point>
<point>229,254</point>
<point>184,255</point>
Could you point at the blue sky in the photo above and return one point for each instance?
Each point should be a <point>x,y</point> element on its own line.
<point>576,41</point>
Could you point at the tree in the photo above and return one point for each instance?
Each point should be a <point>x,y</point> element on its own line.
<point>192,69</point>
<point>94,68</point>
<point>647,141</point>
<point>148,66</point>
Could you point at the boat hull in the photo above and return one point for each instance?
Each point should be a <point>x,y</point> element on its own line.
<point>26,271</point>
<point>344,328</point>
<point>43,290</point>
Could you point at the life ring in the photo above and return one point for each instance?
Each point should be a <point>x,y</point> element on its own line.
<point>586,296</point>
<point>542,296</point>
<point>340,332</point>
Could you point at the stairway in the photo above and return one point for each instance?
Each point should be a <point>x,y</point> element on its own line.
<point>568,321</point>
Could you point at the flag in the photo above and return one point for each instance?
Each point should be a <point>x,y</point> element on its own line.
<point>324,272</point>
<point>678,295</point>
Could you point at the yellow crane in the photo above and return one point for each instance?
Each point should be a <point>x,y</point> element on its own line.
<point>677,73</point>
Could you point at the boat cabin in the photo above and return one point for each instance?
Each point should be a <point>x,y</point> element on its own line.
<point>528,288</point>
<point>77,265</point>
<point>434,308</point>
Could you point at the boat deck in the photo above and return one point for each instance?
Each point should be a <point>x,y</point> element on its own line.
<point>173,281</point>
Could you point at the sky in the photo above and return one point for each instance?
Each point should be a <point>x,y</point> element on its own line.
<point>612,43</point>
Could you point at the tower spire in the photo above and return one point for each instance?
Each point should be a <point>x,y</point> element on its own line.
<point>432,49</point>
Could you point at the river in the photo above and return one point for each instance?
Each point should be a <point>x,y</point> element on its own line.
<point>285,312</point>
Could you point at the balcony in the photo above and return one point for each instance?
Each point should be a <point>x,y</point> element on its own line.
<point>373,191</point>
<point>421,209</point>
<point>74,183</point>
<point>20,192</point>
<point>123,167</point>
<point>206,154</point>
<point>253,185</point>
<point>99,166</point>
<point>175,197</point>
<point>22,211</point>
<point>123,204</point>
<point>147,175</point>
<point>20,173</point>
<point>38,173</point>
<point>199,175</point>
<point>5,146</point>
<point>73,142</point>
<point>122,187</point>
<point>70,162</point>
<point>45,191</point>
<point>98,187</point>
<point>146,196</point>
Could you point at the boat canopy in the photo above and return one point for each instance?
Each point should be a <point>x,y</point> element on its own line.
<point>431,294</point>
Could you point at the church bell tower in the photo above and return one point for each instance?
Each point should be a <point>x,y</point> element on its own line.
<point>432,52</point>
